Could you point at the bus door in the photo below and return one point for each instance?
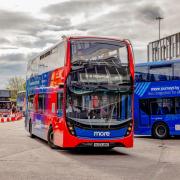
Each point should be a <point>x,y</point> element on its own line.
<point>39,128</point>
<point>144,115</point>
<point>60,104</point>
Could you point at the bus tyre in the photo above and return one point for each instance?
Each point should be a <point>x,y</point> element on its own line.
<point>30,130</point>
<point>160,130</point>
<point>51,138</point>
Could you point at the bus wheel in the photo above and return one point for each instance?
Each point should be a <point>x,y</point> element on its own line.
<point>51,138</point>
<point>160,131</point>
<point>30,130</point>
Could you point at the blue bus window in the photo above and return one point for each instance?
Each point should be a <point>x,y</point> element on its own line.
<point>152,78</point>
<point>162,77</point>
<point>160,73</point>
<point>168,107</point>
<point>162,106</point>
<point>176,71</point>
<point>156,106</point>
<point>141,74</point>
<point>177,105</point>
<point>144,105</point>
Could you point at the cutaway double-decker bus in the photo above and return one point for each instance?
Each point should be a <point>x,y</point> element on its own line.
<point>80,93</point>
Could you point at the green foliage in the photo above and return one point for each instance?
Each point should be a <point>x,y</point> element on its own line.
<point>16,84</point>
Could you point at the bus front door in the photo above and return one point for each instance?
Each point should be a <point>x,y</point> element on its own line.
<point>144,117</point>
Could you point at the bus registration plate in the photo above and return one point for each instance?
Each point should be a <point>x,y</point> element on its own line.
<point>101,144</point>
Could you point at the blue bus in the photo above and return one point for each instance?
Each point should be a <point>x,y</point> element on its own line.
<point>157,98</point>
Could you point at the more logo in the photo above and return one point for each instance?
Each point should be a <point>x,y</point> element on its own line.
<point>102,133</point>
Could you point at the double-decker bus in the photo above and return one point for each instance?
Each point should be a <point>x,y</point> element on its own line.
<point>157,98</point>
<point>5,103</point>
<point>21,101</point>
<point>79,93</point>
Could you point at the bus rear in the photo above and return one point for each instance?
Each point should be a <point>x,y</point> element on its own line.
<point>97,97</point>
<point>5,103</point>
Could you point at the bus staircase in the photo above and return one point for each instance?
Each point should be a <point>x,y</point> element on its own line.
<point>13,117</point>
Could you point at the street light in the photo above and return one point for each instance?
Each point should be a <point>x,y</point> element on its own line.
<point>159,19</point>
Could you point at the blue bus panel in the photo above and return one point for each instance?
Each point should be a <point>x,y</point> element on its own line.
<point>157,97</point>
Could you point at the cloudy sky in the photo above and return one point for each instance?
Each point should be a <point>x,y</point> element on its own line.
<point>29,26</point>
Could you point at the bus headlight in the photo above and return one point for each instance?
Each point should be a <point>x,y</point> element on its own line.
<point>129,129</point>
<point>71,128</point>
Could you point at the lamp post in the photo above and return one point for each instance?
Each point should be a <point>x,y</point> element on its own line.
<point>159,19</point>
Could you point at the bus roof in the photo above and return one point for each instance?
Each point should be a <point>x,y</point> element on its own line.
<point>158,63</point>
<point>71,38</point>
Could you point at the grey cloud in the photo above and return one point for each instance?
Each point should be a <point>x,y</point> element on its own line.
<point>23,26</point>
<point>15,69</point>
<point>12,58</point>
<point>134,20</point>
<point>10,70</point>
<point>8,47</point>
<point>59,23</point>
<point>77,6</point>
<point>38,42</point>
<point>22,23</point>
<point>150,12</point>
<point>4,41</point>
<point>15,20</point>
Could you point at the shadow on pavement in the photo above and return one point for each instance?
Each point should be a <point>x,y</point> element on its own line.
<point>96,151</point>
<point>150,137</point>
<point>85,150</point>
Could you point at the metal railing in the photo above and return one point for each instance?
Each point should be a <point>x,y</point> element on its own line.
<point>166,48</point>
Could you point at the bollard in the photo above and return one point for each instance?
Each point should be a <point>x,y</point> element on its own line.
<point>2,120</point>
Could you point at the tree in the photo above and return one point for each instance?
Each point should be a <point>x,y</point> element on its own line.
<point>15,84</point>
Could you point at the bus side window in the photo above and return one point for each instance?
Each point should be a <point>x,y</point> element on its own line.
<point>161,73</point>
<point>161,106</point>
<point>41,103</point>
<point>168,106</point>
<point>176,71</point>
<point>144,105</point>
<point>30,102</point>
<point>152,78</point>
<point>59,104</point>
<point>141,74</point>
<point>155,106</point>
<point>177,105</point>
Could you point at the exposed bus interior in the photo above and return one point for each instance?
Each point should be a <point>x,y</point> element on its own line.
<point>99,84</point>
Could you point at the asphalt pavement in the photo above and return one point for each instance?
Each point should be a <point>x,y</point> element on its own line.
<point>23,158</point>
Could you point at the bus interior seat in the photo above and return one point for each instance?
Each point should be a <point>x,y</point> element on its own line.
<point>165,110</point>
<point>162,77</point>
<point>152,78</point>
<point>178,110</point>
